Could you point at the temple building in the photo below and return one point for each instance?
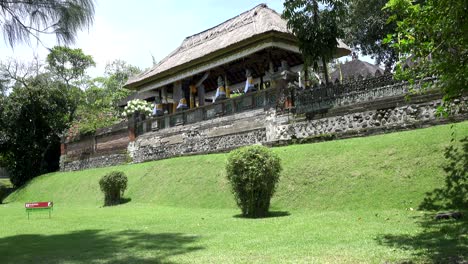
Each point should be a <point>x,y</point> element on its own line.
<point>354,69</point>
<point>244,54</point>
<point>239,84</point>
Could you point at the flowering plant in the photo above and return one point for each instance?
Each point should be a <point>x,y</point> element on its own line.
<point>137,105</point>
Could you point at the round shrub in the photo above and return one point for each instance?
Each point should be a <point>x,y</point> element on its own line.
<point>113,186</point>
<point>253,172</point>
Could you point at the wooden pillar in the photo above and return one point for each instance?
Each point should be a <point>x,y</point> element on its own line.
<point>201,95</point>
<point>132,123</point>
<point>192,90</point>
<point>227,89</point>
<point>131,133</point>
<point>164,95</point>
<point>63,148</point>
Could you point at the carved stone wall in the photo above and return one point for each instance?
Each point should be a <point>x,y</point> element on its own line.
<point>324,114</point>
<point>265,127</point>
<point>216,135</point>
<point>92,162</point>
<point>380,116</point>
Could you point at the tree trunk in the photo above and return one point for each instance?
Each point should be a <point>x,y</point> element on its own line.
<point>325,71</point>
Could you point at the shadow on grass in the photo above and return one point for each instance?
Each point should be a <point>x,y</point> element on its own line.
<point>271,214</point>
<point>124,200</point>
<point>441,241</point>
<point>93,246</point>
<point>454,195</point>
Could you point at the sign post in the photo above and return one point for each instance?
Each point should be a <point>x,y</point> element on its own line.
<point>35,206</point>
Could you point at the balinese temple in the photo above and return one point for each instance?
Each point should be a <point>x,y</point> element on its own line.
<point>239,56</point>
<point>354,69</point>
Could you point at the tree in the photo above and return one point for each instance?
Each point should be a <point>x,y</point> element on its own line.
<point>432,38</point>
<point>317,24</point>
<point>20,20</point>
<point>99,106</point>
<point>33,119</point>
<point>117,73</point>
<point>68,64</point>
<point>367,27</point>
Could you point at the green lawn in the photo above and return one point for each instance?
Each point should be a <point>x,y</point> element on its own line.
<point>346,201</point>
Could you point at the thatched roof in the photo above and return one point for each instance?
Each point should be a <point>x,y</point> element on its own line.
<point>355,68</point>
<point>196,51</point>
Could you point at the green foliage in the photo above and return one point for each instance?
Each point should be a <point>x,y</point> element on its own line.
<point>68,64</point>
<point>368,26</point>
<point>94,111</point>
<point>253,173</point>
<point>432,38</point>
<point>317,25</point>
<point>99,108</point>
<point>21,20</point>
<point>454,195</point>
<point>32,120</point>
<point>113,185</point>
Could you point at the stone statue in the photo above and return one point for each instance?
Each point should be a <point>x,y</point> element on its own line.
<point>158,107</point>
<point>182,104</point>
<point>221,91</point>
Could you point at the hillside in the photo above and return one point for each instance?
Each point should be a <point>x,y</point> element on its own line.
<point>347,201</point>
<point>385,171</point>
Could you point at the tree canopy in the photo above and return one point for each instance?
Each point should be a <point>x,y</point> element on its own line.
<point>32,118</point>
<point>68,64</point>
<point>317,24</point>
<point>99,105</point>
<point>22,20</point>
<point>367,26</point>
<point>432,40</point>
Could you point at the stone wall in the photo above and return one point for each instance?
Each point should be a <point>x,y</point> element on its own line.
<point>106,147</point>
<point>265,127</point>
<point>324,114</point>
<point>209,136</point>
<point>87,162</point>
<point>379,116</point>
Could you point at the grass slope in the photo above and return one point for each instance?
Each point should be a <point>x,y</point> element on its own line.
<point>342,201</point>
<point>387,171</point>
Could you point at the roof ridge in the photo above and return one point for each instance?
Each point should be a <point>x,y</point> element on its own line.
<point>263,5</point>
<point>182,46</point>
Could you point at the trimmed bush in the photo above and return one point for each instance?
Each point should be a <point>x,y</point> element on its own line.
<point>253,172</point>
<point>113,185</point>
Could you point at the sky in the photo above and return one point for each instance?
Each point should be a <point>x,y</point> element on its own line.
<point>141,30</point>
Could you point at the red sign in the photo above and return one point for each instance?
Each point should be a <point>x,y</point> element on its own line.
<point>39,205</point>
